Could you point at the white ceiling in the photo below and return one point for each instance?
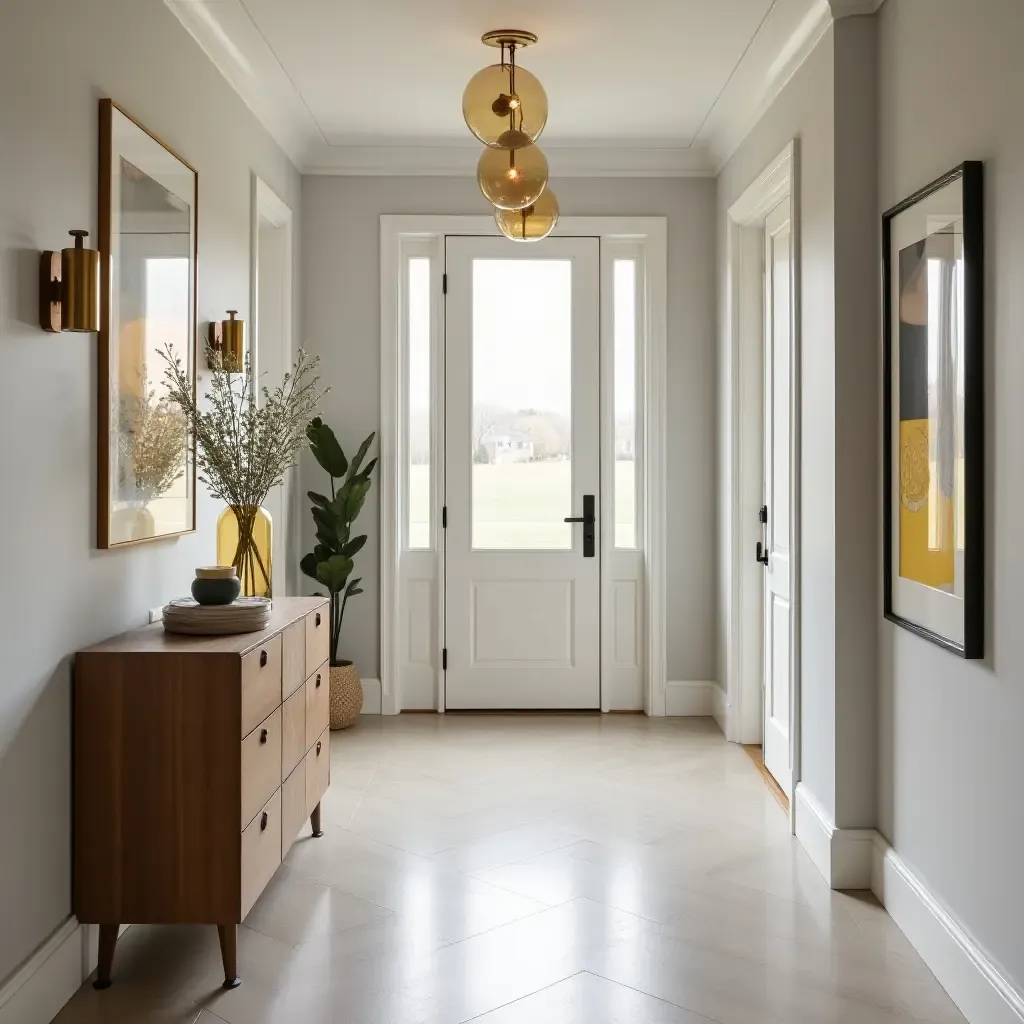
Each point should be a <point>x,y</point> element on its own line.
<point>644,86</point>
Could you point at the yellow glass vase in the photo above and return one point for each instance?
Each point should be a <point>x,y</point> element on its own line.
<point>245,535</point>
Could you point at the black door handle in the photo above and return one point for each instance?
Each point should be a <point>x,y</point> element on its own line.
<point>762,558</point>
<point>588,519</point>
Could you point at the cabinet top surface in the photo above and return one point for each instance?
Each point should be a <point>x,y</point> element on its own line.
<point>155,639</point>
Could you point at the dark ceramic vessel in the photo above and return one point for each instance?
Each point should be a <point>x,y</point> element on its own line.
<point>216,591</point>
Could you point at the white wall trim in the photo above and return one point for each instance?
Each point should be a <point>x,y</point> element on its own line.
<point>853,8</point>
<point>842,855</point>
<point>788,35</point>
<point>649,233</point>
<point>371,697</point>
<point>692,698</point>
<point>978,986</point>
<point>719,706</point>
<point>35,993</point>
<point>742,448</point>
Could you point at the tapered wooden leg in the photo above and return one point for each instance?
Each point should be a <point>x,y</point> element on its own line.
<point>314,821</point>
<point>108,940</point>
<point>228,934</point>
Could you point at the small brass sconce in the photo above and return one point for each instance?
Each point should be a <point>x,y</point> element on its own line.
<point>69,288</point>
<point>227,344</point>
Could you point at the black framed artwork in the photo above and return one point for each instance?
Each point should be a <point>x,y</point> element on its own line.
<point>933,458</point>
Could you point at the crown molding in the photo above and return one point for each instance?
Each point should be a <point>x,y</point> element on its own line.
<point>607,159</point>
<point>786,39</point>
<point>852,8</point>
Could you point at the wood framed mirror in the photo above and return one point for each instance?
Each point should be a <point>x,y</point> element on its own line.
<point>146,483</point>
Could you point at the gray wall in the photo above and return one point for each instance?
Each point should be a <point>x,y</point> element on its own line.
<point>341,285</point>
<point>952,759</point>
<point>57,591</point>
<point>804,110</point>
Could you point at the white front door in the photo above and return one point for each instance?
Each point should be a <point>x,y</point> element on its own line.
<point>776,514</point>
<point>522,585</point>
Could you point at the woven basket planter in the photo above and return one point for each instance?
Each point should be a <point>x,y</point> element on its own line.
<point>346,696</point>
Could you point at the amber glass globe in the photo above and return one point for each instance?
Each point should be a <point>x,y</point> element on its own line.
<point>501,97</point>
<point>533,222</point>
<point>513,176</point>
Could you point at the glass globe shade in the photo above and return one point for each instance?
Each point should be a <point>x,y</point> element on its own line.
<point>514,176</point>
<point>533,222</point>
<point>492,103</point>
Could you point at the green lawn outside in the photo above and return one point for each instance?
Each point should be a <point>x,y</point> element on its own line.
<point>522,505</point>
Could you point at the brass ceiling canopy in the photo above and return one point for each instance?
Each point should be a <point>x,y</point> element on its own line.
<point>508,37</point>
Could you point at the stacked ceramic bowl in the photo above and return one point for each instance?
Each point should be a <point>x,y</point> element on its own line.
<point>215,609</point>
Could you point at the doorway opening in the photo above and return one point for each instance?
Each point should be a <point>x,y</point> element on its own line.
<point>761,461</point>
<point>270,346</point>
<point>522,463</point>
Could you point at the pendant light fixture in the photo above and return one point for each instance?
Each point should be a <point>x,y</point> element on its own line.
<point>532,223</point>
<point>506,108</point>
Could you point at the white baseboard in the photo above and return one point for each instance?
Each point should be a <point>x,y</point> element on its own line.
<point>720,707</point>
<point>371,697</point>
<point>843,855</point>
<point>35,993</point>
<point>691,698</point>
<point>978,986</point>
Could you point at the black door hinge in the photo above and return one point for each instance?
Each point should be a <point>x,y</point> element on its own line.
<point>444,517</point>
<point>444,659</point>
<point>444,284</point>
<point>763,514</point>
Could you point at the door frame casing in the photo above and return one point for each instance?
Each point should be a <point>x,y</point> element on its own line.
<point>402,236</point>
<point>743,452</point>
<point>267,207</point>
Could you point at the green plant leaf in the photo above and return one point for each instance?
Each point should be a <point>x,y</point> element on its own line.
<point>369,468</point>
<point>360,455</point>
<point>354,546</point>
<point>327,530</point>
<point>353,587</point>
<point>308,565</point>
<point>326,449</point>
<point>319,499</point>
<point>334,573</point>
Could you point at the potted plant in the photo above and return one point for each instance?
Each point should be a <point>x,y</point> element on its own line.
<point>245,442</point>
<point>330,563</point>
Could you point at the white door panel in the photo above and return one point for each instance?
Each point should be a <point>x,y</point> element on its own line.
<point>522,617</point>
<point>778,618</point>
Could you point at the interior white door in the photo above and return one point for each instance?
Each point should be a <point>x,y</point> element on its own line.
<point>777,512</point>
<point>522,585</point>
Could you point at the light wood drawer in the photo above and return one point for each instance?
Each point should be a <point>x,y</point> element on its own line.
<point>261,683</point>
<point>318,637</point>
<point>293,728</point>
<point>293,658</point>
<point>261,851</point>
<point>318,704</point>
<point>293,807</point>
<point>261,765</point>
<point>318,770</point>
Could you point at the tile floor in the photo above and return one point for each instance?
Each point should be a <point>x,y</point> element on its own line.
<point>537,870</point>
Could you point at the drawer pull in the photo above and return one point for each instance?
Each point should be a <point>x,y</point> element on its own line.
<point>263,735</point>
<point>318,680</point>
<point>318,748</point>
<point>263,822</point>
<point>263,659</point>
<point>318,618</point>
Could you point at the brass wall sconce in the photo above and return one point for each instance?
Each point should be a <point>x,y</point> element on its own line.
<point>226,341</point>
<point>69,288</point>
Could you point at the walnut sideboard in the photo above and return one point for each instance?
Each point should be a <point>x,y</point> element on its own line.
<point>196,762</point>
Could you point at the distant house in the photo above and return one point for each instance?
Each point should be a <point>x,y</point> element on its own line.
<point>506,445</point>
